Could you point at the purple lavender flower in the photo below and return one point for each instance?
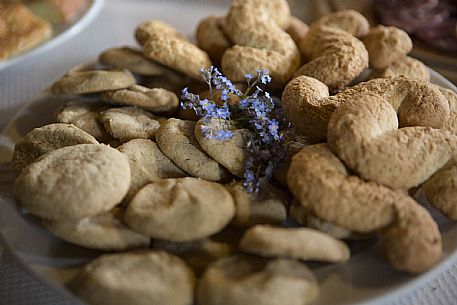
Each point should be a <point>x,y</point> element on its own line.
<point>207,131</point>
<point>273,127</point>
<point>264,76</point>
<point>223,113</point>
<point>244,103</point>
<point>225,95</point>
<point>256,110</point>
<point>223,135</point>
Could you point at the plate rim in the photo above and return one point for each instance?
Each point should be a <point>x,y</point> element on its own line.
<point>94,9</point>
<point>410,287</point>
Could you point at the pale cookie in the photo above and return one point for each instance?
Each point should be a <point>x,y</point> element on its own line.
<point>385,45</point>
<point>407,66</point>
<point>74,182</point>
<point>85,116</point>
<point>132,60</point>
<point>177,54</point>
<point>268,207</point>
<point>247,280</point>
<point>212,38</point>
<point>104,231</point>
<point>183,209</point>
<point>128,123</point>
<point>299,243</point>
<point>147,164</point>
<point>42,140</point>
<point>197,254</point>
<point>80,80</point>
<point>232,153</point>
<point>146,29</point>
<point>305,217</point>
<point>154,100</point>
<point>143,278</point>
<point>176,139</point>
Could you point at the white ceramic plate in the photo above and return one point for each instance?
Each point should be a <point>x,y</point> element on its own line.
<point>366,279</point>
<point>61,34</point>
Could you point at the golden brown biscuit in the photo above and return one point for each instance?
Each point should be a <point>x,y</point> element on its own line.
<point>297,29</point>
<point>212,38</point>
<point>321,183</point>
<point>333,56</point>
<point>350,21</point>
<point>377,149</point>
<point>146,29</point>
<point>308,106</point>
<point>441,189</point>
<point>413,242</point>
<point>177,54</point>
<point>256,27</point>
<point>407,66</point>
<point>386,44</point>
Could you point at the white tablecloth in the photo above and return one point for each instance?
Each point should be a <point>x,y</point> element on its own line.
<point>114,27</point>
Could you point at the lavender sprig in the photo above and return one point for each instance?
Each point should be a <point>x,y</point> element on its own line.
<point>256,110</point>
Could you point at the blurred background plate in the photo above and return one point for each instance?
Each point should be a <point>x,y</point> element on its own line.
<point>62,32</point>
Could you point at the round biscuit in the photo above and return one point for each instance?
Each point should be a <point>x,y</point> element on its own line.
<point>74,182</point>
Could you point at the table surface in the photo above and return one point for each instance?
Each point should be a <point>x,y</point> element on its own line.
<point>114,27</point>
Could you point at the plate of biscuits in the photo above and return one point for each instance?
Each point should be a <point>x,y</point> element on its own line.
<point>28,28</point>
<point>265,162</point>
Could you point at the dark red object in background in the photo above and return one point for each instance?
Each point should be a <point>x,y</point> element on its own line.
<point>432,21</point>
